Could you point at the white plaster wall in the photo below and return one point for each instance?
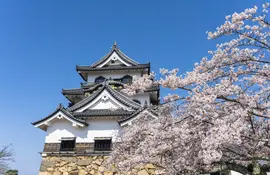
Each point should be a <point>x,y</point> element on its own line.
<point>96,128</point>
<point>91,77</point>
<point>142,97</point>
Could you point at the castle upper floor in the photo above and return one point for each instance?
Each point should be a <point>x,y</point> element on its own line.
<point>115,66</point>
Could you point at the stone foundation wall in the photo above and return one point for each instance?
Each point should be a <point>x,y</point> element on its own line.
<point>84,165</point>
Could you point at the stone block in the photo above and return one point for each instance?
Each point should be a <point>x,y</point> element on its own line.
<point>84,162</point>
<point>70,159</point>
<point>54,159</point>
<point>47,164</point>
<point>142,172</point>
<point>63,169</point>
<point>98,161</point>
<point>108,173</point>
<point>82,172</point>
<point>50,169</point>
<point>63,163</point>
<point>149,166</point>
<point>101,169</point>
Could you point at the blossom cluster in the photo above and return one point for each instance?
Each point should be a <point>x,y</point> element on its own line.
<point>225,117</point>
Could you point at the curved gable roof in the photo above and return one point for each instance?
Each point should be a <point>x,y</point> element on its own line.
<point>67,114</point>
<point>119,53</point>
<point>117,95</point>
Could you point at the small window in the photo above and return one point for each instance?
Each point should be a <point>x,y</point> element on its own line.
<point>137,101</point>
<point>99,79</point>
<point>67,144</point>
<point>103,144</point>
<point>127,79</point>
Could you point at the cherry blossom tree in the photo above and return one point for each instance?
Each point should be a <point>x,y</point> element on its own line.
<point>224,121</point>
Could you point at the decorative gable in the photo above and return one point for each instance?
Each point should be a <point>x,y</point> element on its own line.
<point>114,60</point>
<point>59,114</point>
<point>105,98</point>
<point>104,101</point>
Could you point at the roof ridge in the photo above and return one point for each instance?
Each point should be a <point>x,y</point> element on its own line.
<point>127,57</point>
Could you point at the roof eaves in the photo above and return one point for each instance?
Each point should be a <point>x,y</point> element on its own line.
<point>64,111</point>
<point>92,69</point>
<point>132,115</point>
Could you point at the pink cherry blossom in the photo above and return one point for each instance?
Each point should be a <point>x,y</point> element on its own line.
<point>223,121</point>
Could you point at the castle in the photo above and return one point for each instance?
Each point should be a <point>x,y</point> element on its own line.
<point>98,110</point>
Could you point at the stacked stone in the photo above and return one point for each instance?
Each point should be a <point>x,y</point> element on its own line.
<point>85,165</point>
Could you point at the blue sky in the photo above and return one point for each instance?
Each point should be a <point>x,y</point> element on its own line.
<point>42,41</point>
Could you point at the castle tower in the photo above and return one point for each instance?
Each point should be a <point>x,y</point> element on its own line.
<point>98,110</point>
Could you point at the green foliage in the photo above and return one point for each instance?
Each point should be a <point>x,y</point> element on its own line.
<point>12,172</point>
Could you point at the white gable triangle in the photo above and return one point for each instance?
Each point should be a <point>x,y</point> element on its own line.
<point>114,60</point>
<point>59,116</point>
<point>104,101</point>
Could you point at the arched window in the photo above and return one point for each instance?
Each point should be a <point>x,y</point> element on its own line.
<point>127,79</point>
<point>99,79</point>
<point>137,101</point>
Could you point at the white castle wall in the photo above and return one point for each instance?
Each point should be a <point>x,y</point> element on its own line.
<point>96,128</point>
<point>142,98</point>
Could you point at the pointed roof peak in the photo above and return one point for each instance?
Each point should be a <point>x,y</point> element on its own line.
<point>114,45</point>
<point>121,55</point>
<point>60,106</point>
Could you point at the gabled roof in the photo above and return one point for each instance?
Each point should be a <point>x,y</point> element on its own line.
<point>119,53</point>
<point>98,66</point>
<point>66,113</point>
<point>117,95</point>
<point>133,116</point>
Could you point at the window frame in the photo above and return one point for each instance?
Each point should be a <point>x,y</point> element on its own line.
<point>127,77</point>
<point>100,79</point>
<point>99,146</point>
<point>67,144</point>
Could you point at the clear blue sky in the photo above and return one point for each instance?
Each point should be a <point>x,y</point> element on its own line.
<point>42,41</point>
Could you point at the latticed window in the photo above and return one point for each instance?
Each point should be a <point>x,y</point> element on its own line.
<point>100,79</point>
<point>127,79</point>
<point>103,144</point>
<point>68,144</point>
